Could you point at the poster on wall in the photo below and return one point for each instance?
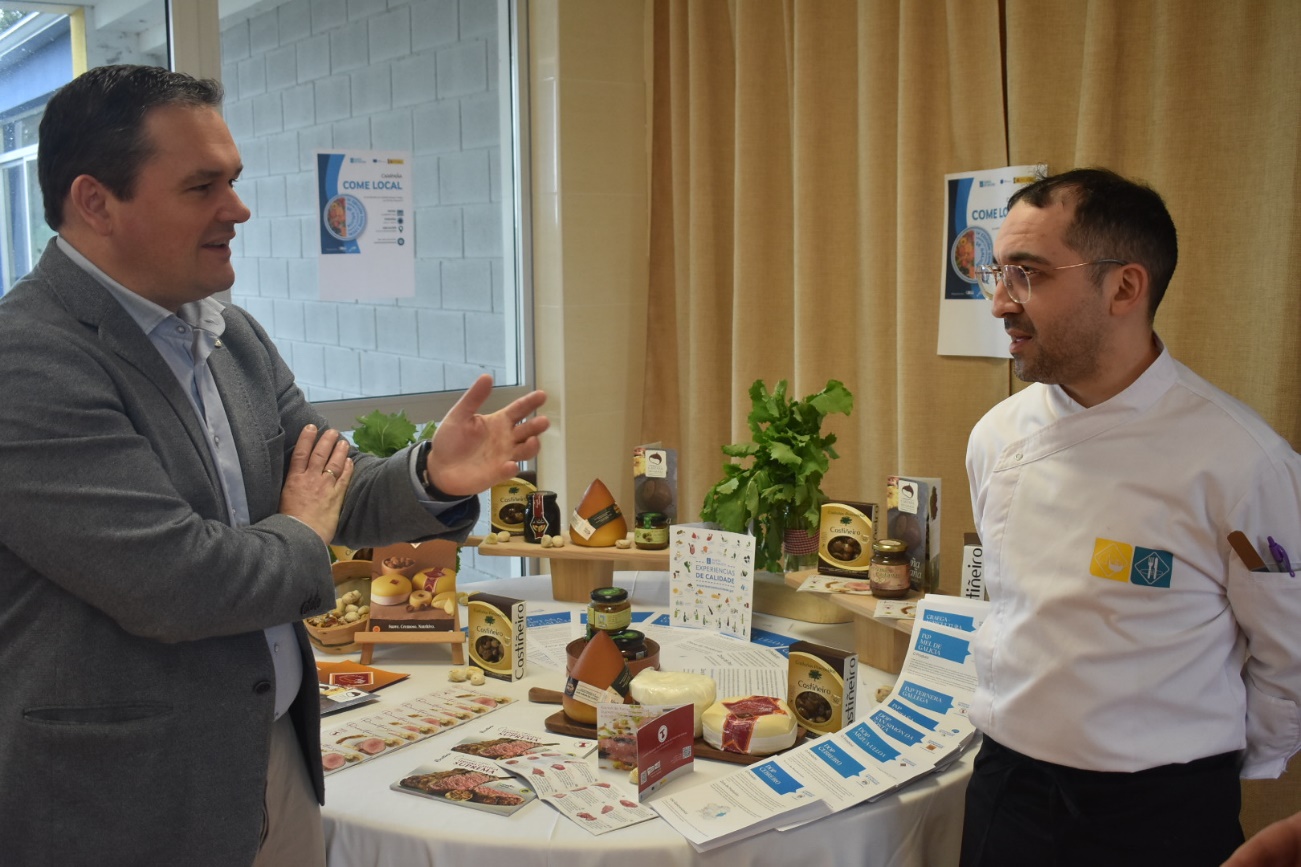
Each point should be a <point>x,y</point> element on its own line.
<point>975,204</point>
<point>367,225</point>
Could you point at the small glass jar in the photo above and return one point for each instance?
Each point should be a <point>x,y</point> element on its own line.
<point>652,531</point>
<point>631,643</point>
<point>888,571</point>
<point>608,611</point>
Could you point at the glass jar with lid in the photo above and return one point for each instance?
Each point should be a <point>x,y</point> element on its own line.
<point>631,643</point>
<point>888,571</point>
<point>652,531</point>
<point>608,611</point>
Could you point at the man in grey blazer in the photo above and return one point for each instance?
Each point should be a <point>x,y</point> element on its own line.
<point>168,495</point>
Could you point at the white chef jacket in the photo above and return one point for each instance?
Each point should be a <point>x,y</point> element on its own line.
<point>1120,617</point>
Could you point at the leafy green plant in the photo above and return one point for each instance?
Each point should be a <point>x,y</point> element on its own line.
<point>383,434</point>
<point>781,487</point>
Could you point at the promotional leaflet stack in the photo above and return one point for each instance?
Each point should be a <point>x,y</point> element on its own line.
<point>921,727</point>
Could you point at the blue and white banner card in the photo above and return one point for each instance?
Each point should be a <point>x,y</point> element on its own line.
<point>975,207</point>
<point>366,225</point>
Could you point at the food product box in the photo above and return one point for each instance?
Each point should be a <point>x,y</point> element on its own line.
<point>655,480</point>
<point>846,531</point>
<point>822,686</point>
<point>913,517</point>
<point>497,635</point>
<point>973,570</point>
<point>506,503</point>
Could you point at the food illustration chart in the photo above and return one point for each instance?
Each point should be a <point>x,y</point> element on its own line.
<point>712,579</point>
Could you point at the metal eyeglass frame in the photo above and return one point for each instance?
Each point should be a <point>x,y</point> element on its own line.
<point>988,277</point>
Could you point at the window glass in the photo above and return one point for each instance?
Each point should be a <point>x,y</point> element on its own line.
<point>432,79</point>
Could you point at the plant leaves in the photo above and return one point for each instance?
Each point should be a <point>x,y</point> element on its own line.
<point>781,486</point>
<point>383,434</point>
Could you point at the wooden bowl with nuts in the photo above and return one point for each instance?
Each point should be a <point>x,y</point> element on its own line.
<point>334,631</point>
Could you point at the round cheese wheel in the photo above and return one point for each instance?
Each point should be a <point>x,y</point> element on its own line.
<point>673,688</point>
<point>752,724</point>
<point>392,589</point>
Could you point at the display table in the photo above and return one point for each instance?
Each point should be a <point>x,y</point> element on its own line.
<point>368,824</point>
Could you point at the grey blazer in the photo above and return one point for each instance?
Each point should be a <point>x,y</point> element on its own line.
<point>137,693</point>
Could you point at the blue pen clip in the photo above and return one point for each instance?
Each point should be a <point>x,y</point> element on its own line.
<point>1280,556</point>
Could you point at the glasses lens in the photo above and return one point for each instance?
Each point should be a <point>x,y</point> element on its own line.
<point>988,279</point>
<point>1018,283</point>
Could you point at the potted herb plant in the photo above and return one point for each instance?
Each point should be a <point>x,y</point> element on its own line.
<point>778,492</point>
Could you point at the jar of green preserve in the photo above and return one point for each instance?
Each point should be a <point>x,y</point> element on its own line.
<point>608,611</point>
<point>651,532</point>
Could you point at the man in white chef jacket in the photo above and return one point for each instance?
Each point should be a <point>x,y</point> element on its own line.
<point>1132,667</point>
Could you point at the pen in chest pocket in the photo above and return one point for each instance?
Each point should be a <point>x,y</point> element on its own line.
<point>1280,557</point>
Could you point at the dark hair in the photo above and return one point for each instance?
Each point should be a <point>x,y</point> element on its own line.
<point>95,125</point>
<point>1115,218</point>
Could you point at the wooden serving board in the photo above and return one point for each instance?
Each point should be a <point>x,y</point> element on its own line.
<point>563,725</point>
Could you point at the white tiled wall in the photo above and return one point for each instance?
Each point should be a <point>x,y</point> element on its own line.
<point>303,75</point>
<point>420,76</point>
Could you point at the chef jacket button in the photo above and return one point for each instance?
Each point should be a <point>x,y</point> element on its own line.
<point>1018,456</point>
<point>262,687</point>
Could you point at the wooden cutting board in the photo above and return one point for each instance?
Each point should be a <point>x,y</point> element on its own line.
<point>563,725</point>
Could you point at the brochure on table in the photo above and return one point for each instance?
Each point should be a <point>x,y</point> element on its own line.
<point>711,581</point>
<point>920,727</point>
<point>659,742</point>
<point>362,740</point>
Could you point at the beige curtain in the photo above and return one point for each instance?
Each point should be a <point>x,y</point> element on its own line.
<point>797,157</point>
<point>796,195</point>
<point>1203,101</point>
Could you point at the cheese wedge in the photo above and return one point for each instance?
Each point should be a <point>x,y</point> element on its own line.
<point>597,522</point>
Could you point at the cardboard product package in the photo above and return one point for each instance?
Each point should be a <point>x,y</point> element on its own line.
<point>973,569</point>
<point>913,517</point>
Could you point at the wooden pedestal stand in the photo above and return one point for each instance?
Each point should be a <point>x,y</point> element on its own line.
<point>881,644</point>
<point>577,571</point>
<point>456,638</point>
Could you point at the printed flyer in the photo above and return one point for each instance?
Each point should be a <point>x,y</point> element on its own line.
<point>367,225</point>
<point>975,207</point>
<point>711,583</point>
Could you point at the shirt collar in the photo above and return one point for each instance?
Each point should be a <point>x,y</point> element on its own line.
<point>204,314</point>
<point>1142,392</point>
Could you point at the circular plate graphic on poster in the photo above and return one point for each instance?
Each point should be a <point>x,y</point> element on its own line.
<point>345,217</point>
<point>972,247</point>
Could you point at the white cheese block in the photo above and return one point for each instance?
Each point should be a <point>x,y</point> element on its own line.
<point>725,728</point>
<point>674,688</point>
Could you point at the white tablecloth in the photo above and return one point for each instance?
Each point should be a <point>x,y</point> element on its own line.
<point>368,825</point>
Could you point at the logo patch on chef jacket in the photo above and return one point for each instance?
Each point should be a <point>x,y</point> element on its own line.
<point>1134,564</point>
<point>1111,559</point>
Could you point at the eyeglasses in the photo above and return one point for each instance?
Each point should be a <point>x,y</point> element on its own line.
<point>1016,278</point>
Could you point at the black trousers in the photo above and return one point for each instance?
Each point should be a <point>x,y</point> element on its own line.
<point>1022,812</point>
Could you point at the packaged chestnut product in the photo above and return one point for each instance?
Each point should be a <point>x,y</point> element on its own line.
<point>496,635</point>
<point>822,686</point>
<point>846,531</point>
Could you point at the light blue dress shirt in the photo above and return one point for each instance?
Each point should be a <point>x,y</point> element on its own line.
<point>185,340</point>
